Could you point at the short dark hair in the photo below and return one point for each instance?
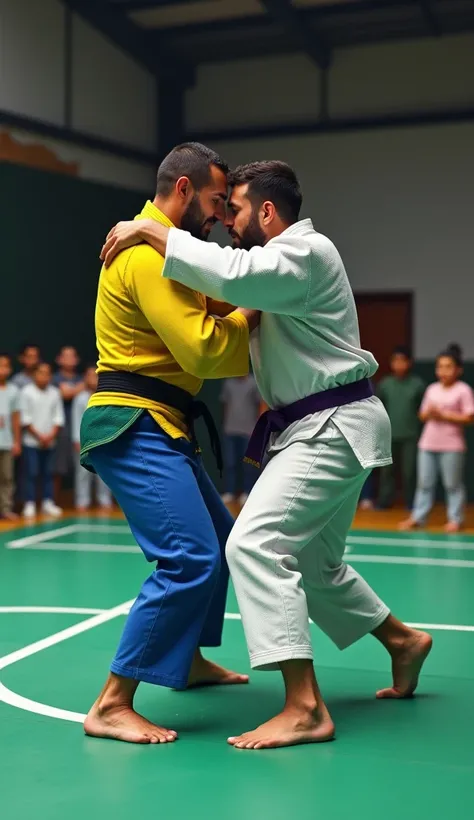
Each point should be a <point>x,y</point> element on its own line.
<point>403,350</point>
<point>272,180</point>
<point>192,160</point>
<point>43,364</point>
<point>26,345</point>
<point>4,355</point>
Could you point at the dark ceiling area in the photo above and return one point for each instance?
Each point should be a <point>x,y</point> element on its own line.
<point>198,31</point>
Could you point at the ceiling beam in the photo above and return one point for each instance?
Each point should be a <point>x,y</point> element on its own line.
<point>115,24</point>
<point>284,12</point>
<point>145,5</point>
<point>431,18</point>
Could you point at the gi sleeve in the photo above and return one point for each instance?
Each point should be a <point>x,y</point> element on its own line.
<point>275,278</point>
<point>203,346</point>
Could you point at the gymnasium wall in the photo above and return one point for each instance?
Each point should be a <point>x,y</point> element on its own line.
<point>53,227</point>
<point>397,202</point>
<point>107,96</point>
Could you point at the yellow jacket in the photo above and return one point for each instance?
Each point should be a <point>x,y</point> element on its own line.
<point>156,327</point>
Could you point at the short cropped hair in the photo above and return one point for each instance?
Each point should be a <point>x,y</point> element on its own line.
<point>402,350</point>
<point>274,181</point>
<point>192,160</point>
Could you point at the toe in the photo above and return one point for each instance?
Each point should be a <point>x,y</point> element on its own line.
<point>389,693</point>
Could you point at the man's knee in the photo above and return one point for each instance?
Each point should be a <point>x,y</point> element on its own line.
<point>237,548</point>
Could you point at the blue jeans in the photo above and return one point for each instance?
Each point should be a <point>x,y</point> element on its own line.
<point>37,464</point>
<point>451,467</point>
<point>234,448</point>
<point>177,518</point>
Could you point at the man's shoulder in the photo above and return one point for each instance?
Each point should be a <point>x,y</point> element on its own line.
<point>141,255</point>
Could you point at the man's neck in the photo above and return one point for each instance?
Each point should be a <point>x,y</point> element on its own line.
<point>169,209</point>
<point>67,372</point>
<point>278,228</point>
<point>2,385</point>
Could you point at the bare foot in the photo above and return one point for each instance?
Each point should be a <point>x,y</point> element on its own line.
<point>452,527</point>
<point>289,728</point>
<point>408,524</point>
<point>407,660</point>
<point>122,723</point>
<point>206,673</point>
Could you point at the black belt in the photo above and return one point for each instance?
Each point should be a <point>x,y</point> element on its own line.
<point>153,389</point>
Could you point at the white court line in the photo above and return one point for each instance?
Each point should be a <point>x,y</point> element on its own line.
<point>104,528</point>
<point>407,560</point>
<point>20,702</point>
<point>235,616</point>
<point>53,610</point>
<point>7,696</point>
<point>46,535</point>
<point>65,634</point>
<point>59,546</point>
<point>407,543</point>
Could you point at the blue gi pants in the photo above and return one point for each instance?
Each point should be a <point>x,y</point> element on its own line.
<point>179,521</point>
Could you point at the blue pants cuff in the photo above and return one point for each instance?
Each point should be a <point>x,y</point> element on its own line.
<point>146,677</point>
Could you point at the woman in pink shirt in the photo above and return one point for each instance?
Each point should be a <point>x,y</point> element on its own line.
<point>448,405</point>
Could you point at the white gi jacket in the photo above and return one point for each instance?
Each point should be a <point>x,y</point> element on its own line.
<point>308,339</point>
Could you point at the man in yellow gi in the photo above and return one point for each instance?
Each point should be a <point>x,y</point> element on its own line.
<point>157,341</point>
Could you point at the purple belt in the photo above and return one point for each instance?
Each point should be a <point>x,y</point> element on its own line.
<point>275,421</point>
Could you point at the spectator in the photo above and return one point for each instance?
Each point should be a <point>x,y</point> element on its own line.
<point>70,384</point>
<point>448,406</point>
<point>29,358</point>
<point>10,436</point>
<point>241,401</point>
<point>401,393</point>
<point>42,416</point>
<point>83,478</point>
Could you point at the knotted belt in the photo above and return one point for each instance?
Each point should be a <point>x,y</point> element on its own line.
<point>275,421</point>
<point>154,389</point>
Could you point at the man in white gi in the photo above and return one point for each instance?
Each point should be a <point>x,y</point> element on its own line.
<point>323,435</point>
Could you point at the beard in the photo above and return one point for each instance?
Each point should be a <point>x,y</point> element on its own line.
<point>251,236</point>
<point>194,220</point>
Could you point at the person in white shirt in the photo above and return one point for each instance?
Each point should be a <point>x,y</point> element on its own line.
<point>327,431</point>
<point>84,480</point>
<point>42,416</point>
<point>10,436</point>
<point>29,357</point>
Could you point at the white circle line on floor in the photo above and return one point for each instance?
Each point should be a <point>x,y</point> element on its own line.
<point>98,618</point>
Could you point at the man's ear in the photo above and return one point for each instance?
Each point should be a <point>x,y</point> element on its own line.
<point>268,212</point>
<point>184,187</point>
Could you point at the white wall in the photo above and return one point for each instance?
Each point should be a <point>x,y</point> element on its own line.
<point>399,204</point>
<point>112,96</point>
<point>32,58</point>
<point>377,79</point>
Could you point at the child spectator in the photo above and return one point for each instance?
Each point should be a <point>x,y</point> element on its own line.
<point>401,393</point>
<point>70,384</point>
<point>83,478</point>
<point>448,405</point>
<point>29,358</point>
<point>10,436</point>
<point>42,416</point>
<point>241,401</point>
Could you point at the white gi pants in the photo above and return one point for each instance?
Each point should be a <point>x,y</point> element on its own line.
<point>286,550</point>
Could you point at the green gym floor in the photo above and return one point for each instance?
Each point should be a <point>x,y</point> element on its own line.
<point>64,590</point>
